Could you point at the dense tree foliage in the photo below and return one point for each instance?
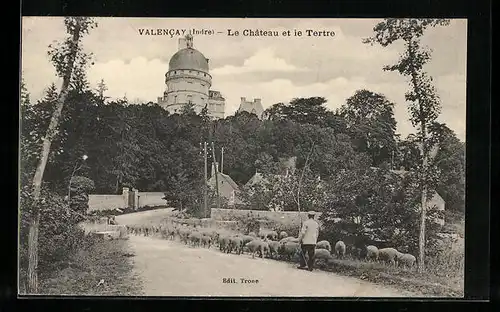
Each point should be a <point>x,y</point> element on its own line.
<point>376,205</point>
<point>371,125</point>
<point>142,146</point>
<point>307,111</point>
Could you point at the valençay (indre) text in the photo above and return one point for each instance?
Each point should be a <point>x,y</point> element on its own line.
<point>173,32</point>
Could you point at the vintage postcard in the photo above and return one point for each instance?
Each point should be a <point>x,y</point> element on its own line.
<point>244,157</point>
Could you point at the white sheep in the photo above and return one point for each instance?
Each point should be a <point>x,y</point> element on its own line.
<point>322,255</point>
<point>236,244</point>
<point>388,255</point>
<point>283,234</point>
<point>371,253</point>
<point>273,248</point>
<point>406,260</point>
<point>289,249</point>
<point>257,246</point>
<point>340,249</point>
<point>324,245</point>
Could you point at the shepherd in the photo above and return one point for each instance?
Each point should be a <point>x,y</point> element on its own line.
<point>307,238</point>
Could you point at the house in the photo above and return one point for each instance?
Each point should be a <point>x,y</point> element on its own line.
<point>228,189</point>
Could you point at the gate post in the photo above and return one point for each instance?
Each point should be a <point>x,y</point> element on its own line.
<point>125,194</point>
<point>135,204</point>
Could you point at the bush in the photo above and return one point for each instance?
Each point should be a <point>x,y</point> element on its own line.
<point>248,223</point>
<point>377,206</point>
<point>59,234</point>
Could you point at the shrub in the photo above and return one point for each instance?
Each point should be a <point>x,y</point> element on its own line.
<point>59,234</point>
<point>446,258</point>
<point>376,206</point>
<point>248,223</point>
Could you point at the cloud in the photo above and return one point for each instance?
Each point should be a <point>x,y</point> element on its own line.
<point>137,79</point>
<point>264,60</point>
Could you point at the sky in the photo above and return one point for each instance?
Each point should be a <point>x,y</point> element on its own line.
<point>274,69</point>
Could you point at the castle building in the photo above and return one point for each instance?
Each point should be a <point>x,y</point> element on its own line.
<point>253,107</point>
<point>188,82</point>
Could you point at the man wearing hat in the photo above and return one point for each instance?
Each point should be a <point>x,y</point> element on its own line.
<point>308,237</point>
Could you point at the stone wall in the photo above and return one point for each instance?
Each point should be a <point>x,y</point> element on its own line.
<point>106,202</point>
<point>289,218</point>
<point>151,199</point>
<point>129,198</point>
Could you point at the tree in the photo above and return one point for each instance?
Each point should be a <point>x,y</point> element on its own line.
<point>375,206</point>
<point>407,155</point>
<point>266,163</point>
<point>370,119</point>
<point>188,109</point>
<point>64,57</point>
<point>424,103</point>
<point>257,196</point>
<point>101,88</point>
<point>306,111</point>
<point>450,160</point>
<point>29,136</point>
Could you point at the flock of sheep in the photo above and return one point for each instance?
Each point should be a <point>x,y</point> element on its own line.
<point>266,243</point>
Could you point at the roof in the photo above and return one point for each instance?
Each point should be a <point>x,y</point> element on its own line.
<point>226,178</point>
<point>188,58</point>
<point>230,181</point>
<point>215,95</point>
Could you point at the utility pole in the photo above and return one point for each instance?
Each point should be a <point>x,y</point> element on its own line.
<point>206,211</point>
<point>216,176</point>
<point>222,160</point>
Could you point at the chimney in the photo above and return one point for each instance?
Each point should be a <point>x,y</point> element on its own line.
<point>257,101</point>
<point>182,43</point>
<point>243,100</point>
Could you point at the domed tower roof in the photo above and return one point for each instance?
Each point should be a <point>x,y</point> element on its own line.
<point>188,58</point>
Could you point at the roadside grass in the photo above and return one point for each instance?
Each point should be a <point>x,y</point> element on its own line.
<point>96,260</point>
<point>427,283</point>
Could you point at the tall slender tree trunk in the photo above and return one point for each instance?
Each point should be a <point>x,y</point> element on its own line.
<point>421,238</point>
<point>423,201</point>
<point>423,198</point>
<point>300,181</point>
<point>44,155</point>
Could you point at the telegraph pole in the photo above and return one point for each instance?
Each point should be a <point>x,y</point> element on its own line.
<point>206,211</point>
<point>222,160</point>
<point>216,176</point>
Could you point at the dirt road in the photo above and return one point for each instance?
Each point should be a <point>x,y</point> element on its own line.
<point>169,268</point>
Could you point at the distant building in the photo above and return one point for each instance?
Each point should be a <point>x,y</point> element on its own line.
<point>227,187</point>
<point>188,81</point>
<point>253,107</point>
<point>216,104</point>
